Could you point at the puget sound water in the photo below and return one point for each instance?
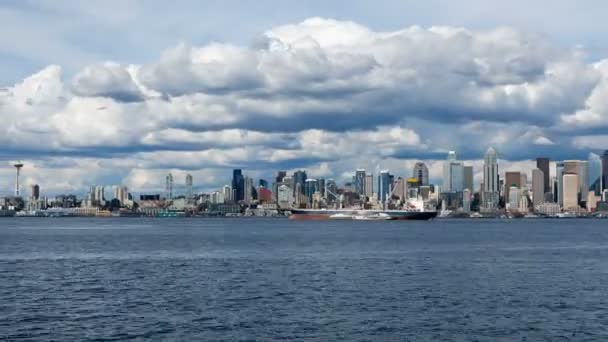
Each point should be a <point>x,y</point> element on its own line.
<point>138,279</point>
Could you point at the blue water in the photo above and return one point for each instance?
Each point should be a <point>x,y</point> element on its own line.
<point>273,279</point>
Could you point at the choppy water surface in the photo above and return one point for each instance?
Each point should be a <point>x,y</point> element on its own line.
<point>273,279</point>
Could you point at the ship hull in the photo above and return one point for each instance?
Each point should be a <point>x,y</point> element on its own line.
<point>311,214</point>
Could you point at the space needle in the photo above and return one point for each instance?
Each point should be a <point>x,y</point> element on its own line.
<point>18,166</point>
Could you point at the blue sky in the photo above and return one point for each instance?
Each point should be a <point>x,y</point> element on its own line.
<point>126,91</point>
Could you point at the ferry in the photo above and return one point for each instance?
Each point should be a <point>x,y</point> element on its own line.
<point>414,211</point>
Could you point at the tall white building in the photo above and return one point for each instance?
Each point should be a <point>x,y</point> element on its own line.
<point>369,186</point>
<point>514,197</point>
<point>99,195</point>
<point>490,179</point>
<point>169,186</point>
<point>285,196</point>
<point>538,187</point>
<point>188,186</point>
<point>227,190</point>
<point>121,194</point>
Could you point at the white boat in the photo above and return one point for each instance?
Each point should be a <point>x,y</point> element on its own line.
<point>567,214</point>
<point>373,217</point>
<point>341,216</point>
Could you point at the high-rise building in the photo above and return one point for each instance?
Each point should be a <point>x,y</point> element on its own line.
<point>559,175</point>
<point>466,200</point>
<point>570,191</point>
<point>169,186</point>
<point>543,165</point>
<point>512,178</point>
<point>514,197</point>
<point>579,168</point>
<point>310,187</point>
<point>468,178</point>
<point>188,186</point>
<point>360,182</point>
<point>421,172</point>
<point>538,187</point>
<point>453,174</point>
<point>331,189</point>
<point>238,185</point>
<point>523,180</point>
<point>285,196</point>
<point>99,195</point>
<point>227,190</point>
<point>121,194</point>
<point>384,185</point>
<point>35,192</point>
<point>248,196</point>
<point>491,187</point>
<point>369,186</point>
<point>400,188</point>
<point>604,171</point>
<point>299,181</point>
<point>321,187</point>
<point>278,181</point>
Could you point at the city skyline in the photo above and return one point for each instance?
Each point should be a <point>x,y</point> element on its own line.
<point>317,91</point>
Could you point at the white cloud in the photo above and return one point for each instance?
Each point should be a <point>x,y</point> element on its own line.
<point>325,94</point>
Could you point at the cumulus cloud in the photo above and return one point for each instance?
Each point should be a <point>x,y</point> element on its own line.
<point>321,94</point>
<point>107,80</point>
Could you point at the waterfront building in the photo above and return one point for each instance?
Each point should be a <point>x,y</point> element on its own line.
<point>421,173</point>
<point>538,187</point>
<point>547,208</point>
<point>490,188</point>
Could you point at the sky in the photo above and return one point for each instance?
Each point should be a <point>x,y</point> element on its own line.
<point>123,92</point>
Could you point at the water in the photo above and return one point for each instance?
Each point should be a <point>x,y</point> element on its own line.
<point>273,279</point>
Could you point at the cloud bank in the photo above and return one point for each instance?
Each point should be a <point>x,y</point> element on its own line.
<point>321,94</point>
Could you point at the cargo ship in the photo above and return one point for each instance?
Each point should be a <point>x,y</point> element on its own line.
<point>413,211</point>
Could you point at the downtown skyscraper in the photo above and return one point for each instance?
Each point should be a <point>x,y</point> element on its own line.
<point>490,179</point>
